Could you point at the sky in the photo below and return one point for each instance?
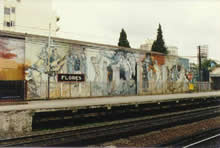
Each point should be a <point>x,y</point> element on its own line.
<point>185,23</point>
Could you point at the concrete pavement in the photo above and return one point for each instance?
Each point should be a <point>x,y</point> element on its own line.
<point>117,100</point>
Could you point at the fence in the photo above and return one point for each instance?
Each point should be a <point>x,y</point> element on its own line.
<point>166,87</point>
<point>88,89</point>
<point>170,87</point>
<point>202,86</point>
<point>38,90</point>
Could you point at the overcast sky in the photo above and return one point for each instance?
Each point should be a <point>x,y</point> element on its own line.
<point>185,23</point>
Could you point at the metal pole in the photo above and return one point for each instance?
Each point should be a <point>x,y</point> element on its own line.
<point>48,74</point>
<point>200,66</point>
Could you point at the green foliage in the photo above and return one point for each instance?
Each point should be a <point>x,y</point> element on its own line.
<point>159,45</point>
<point>123,41</point>
<point>208,64</point>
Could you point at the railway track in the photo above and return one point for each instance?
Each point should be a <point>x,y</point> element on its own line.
<point>99,134</point>
<point>68,118</point>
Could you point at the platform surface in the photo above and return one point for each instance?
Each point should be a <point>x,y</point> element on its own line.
<point>100,101</point>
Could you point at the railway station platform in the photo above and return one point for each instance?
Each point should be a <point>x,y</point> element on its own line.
<point>18,118</point>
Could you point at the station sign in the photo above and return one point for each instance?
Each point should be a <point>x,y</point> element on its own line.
<point>190,76</point>
<point>70,77</point>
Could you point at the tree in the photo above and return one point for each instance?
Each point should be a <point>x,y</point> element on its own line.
<point>158,44</point>
<point>208,64</point>
<point>123,41</point>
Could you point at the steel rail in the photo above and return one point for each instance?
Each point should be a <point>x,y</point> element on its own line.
<point>75,136</point>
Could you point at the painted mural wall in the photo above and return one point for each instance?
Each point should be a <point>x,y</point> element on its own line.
<point>111,72</point>
<point>163,74</point>
<point>107,72</point>
<point>37,61</point>
<point>11,58</point>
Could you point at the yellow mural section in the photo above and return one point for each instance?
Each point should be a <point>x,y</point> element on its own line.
<point>11,59</point>
<point>12,74</point>
<point>10,70</point>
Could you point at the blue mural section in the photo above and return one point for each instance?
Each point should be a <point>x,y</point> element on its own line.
<point>184,62</point>
<point>112,72</point>
<point>76,61</point>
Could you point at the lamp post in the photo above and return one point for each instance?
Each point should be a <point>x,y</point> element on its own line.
<point>49,72</point>
<point>199,60</point>
<point>48,62</point>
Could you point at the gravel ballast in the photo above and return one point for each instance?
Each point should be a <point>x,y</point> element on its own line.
<point>166,135</point>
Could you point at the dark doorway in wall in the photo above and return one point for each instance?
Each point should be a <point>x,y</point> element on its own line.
<point>216,83</point>
<point>13,90</point>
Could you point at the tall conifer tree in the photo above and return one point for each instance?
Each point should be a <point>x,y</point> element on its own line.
<point>123,41</point>
<point>159,45</point>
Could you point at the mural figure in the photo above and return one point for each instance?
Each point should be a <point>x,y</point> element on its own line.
<point>145,74</point>
<point>38,71</point>
<point>56,63</point>
<point>121,72</point>
<point>70,64</point>
<point>83,63</point>
<point>110,73</point>
<point>76,61</point>
<point>132,60</point>
<point>152,73</point>
<point>96,65</point>
<point>156,74</point>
